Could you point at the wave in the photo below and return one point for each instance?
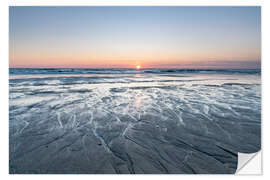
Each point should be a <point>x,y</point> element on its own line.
<point>30,71</point>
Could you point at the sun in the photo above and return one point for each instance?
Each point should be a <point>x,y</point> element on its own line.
<point>138,67</point>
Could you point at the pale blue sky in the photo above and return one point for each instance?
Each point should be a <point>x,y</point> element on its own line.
<point>125,36</point>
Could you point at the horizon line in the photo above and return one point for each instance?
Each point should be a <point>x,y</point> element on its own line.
<point>130,68</point>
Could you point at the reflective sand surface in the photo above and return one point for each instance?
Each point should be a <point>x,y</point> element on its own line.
<point>133,123</point>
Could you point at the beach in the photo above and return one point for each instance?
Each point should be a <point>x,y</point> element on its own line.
<point>107,121</point>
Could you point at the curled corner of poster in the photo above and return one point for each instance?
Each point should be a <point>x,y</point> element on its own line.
<point>249,164</point>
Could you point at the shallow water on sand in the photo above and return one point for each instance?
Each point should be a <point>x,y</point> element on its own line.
<point>133,123</point>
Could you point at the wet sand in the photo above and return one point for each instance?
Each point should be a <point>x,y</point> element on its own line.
<point>132,123</point>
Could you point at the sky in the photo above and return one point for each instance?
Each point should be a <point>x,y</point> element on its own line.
<point>126,37</point>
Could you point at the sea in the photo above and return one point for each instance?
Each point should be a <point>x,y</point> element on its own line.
<point>126,121</point>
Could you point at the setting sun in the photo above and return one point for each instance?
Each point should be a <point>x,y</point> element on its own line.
<point>138,67</point>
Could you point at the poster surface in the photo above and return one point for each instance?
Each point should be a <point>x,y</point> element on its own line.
<point>133,90</point>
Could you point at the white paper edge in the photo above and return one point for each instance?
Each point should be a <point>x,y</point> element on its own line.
<point>249,164</point>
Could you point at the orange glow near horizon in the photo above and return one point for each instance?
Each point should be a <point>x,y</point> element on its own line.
<point>50,61</point>
<point>78,58</point>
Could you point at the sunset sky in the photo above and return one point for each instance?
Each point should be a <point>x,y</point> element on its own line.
<point>126,37</point>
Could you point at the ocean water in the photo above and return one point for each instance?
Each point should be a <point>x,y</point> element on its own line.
<point>127,121</point>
